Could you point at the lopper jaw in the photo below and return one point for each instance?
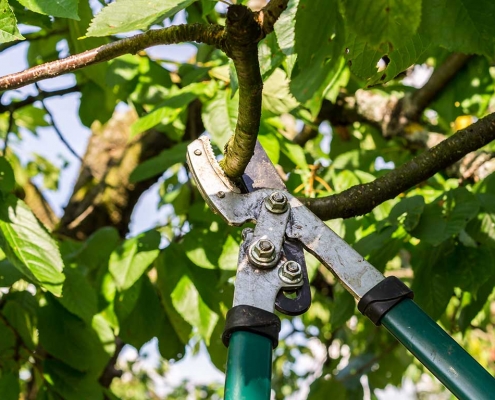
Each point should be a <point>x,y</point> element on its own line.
<point>296,224</point>
<point>262,275</point>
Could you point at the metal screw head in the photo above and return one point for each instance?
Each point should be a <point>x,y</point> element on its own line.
<point>262,252</point>
<point>197,152</point>
<point>221,194</point>
<point>276,203</point>
<point>290,272</point>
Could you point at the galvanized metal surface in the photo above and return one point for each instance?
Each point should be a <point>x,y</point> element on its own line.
<point>269,226</point>
<point>349,267</point>
<point>258,287</point>
<point>260,173</point>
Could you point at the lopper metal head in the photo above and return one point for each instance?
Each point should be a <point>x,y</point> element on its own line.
<point>296,226</point>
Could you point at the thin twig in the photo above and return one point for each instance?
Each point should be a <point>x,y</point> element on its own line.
<point>40,96</point>
<point>56,128</point>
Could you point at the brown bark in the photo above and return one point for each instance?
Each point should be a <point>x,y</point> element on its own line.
<point>361,199</point>
<point>103,194</point>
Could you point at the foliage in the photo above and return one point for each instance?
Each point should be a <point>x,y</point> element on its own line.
<point>67,296</point>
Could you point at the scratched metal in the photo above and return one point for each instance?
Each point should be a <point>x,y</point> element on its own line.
<point>258,287</point>
<point>348,266</point>
<point>272,227</point>
<point>260,172</point>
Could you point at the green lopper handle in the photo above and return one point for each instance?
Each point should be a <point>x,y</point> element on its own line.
<point>249,367</point>
<point>438,352</point>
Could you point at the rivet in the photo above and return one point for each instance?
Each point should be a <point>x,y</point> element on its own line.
<point>197,152</point>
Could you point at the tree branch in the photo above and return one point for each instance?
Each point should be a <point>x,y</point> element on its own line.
<point>441,76</point>
<point>243,34</point>
<point>40,96</point>
<point>57,130</point>
<point>210,34</point>
<point>361,199</point>
<point>269,14</point>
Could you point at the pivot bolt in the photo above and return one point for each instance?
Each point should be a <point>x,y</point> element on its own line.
<point>277,203</point>
<point>262,253</point>
<point>290,272</point>
<point>198,152</point>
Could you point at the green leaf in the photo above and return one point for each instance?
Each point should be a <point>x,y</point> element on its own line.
<point>159,164</point>
<point>78,296</point>
<point>70,339</point>
<point>468,93</point>
<point>322,386</point>
<point>170,271</point>
<point>383,21</point>
<point>29,246</point>
<point>165,113</point>
<point>57,8</point>
<point>130,260</point>
<point>446,216</point>
<point>9,274</point>
<point>31,118</point>
<point>433,285</point>
<point>220,116</point>
<point>188,302</point>
<point>70,383</point>
<point>363,58</point>
<point>7,340</point>
<point>8,24</point>
<point>461,25</point>
<point>408,212</point>
<point>270,56</point>
<point>7,178</point>
<point>9,386</point>
<point>92,94</point>
<point>319,45</point>
<point>147,320</point>
<point>128,15</point>
<point>20,311</point>
<point>276,95</point>
<point>471,310</point>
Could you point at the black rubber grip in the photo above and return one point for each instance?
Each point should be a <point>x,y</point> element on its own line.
<point>251,319</point>
<point>383,297</point>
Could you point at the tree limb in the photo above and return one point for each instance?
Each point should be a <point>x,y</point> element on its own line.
<point>40,96</point>
<point>441,76</point>
<point>361,199</point>
<point>241,24</point>
<point>269,14</point>
<point>210,34</point>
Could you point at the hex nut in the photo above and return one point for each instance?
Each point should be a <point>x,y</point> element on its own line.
<point>262,253</point>
<point>277,203</point>
<point>290,272</point>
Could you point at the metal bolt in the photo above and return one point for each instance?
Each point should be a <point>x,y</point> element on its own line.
<point>276,203</point>
<point>262,253</point>
<point>197,152</point>
<point>290,272</point>
<point>221,194</point>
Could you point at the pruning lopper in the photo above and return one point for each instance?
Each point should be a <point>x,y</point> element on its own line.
<point>271,264</point>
